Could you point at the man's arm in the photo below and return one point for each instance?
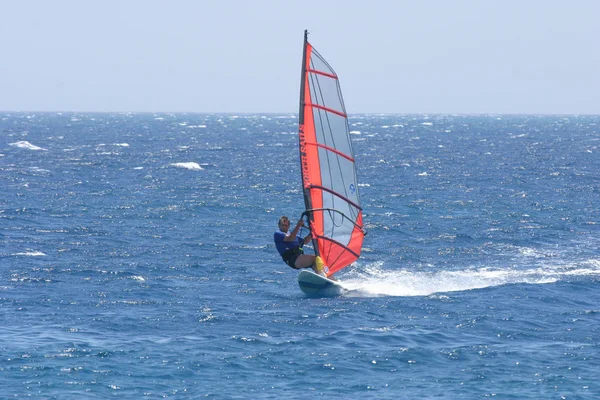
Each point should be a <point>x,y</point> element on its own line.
<point>292,236</point>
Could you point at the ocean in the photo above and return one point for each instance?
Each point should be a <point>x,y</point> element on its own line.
<point>137,259</point>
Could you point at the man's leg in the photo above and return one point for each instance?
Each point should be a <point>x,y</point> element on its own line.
<point>305,261</point>
<point>309,261</point>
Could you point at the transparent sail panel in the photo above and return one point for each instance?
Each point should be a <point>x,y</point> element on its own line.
<point>332,130</point>
<point>324,92</point>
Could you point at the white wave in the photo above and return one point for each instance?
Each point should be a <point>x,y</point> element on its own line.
<point>30,254</point>
<point>121,144</point>
<point>373,280</point>
<point>188,165</point>
<point>40,170</point>
<point>23,144</point>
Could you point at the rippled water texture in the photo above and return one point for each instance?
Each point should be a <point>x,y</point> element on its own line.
<point>137,260</point>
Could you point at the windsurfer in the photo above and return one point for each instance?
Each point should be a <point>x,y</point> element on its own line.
<point>289,245</point>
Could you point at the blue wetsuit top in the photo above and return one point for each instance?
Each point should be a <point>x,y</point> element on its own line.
<point>283,246</point>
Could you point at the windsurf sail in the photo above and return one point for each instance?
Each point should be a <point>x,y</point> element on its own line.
<point>327,164</point>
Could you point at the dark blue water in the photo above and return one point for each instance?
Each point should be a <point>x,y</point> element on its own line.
<point>137,260</point>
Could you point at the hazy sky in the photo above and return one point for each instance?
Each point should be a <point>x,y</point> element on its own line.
<point>426,56</point>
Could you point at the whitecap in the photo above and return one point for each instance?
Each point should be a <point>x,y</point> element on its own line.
<point>30,254</point>
<point>23,144</point>
<point>188,165</point>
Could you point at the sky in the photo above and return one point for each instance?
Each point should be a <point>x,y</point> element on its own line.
<point>243,56</point>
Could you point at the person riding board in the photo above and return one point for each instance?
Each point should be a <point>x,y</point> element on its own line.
<point>289,245</point>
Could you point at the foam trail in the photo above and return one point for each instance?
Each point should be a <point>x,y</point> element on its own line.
<point>372,280</point>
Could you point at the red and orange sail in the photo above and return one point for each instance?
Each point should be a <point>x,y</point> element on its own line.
<point>327,164</point>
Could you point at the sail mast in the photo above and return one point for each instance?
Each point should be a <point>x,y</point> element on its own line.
<point>303,79</point>
<point>301,138</point>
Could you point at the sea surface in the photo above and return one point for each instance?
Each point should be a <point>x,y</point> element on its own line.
<point>137,260</point>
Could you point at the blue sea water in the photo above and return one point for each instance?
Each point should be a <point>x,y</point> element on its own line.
<point>136,260</point>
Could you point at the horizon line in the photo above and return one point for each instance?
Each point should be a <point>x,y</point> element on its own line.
<point>296,113</point>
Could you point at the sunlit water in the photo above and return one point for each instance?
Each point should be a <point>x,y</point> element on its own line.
<point>137,260</point>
